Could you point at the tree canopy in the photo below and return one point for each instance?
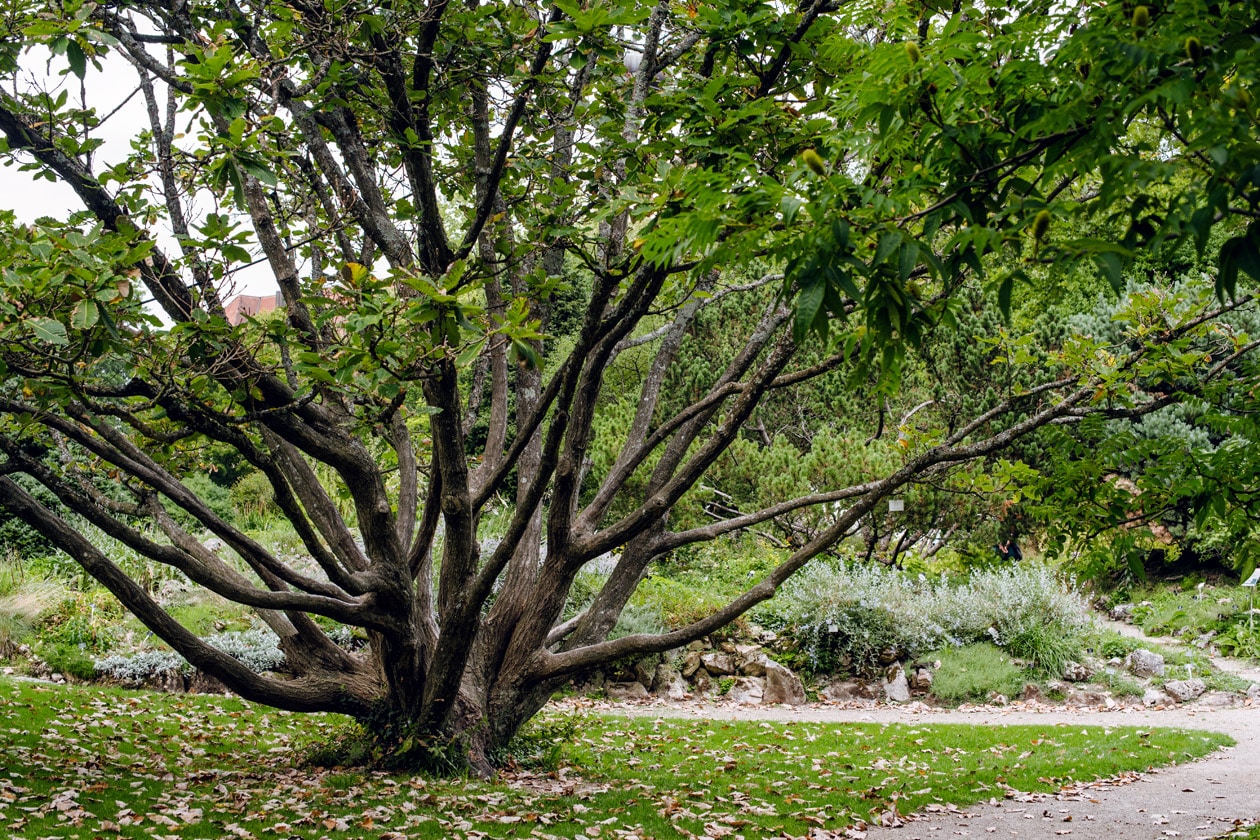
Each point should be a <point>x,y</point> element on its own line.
<point>498,230</point>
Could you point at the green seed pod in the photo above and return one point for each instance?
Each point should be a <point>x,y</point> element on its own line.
<point>1194,49</point>
<point>1041,225</point>
<point>814,161</point>
<point>1141,18</point>
<point>912,50</point>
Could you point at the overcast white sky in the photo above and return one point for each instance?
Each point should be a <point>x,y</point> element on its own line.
<point>107,89</point>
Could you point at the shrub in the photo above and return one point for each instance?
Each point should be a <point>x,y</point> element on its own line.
<point>68,659</point>
<point>140,667</point>
<point>852,613</point>
<point>1119,683</point>
<point>253,500</point>
<point>974,673</point>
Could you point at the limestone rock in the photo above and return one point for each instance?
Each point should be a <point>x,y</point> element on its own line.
<point>718,664</point>
<point>1155,697</point>
<point>1219,700</point>
<point>203,683</point>
<point>842,691</point>
<point>1032,693</point>
<point>1121,612</point>
<point>747,691</point>
<point>921,679</point>
<point>626,691</point>
<point>782,686</point>
<point>1077,672</point>
<point>997,699</point>
<point>691,663</point>
<point>896,687</point>
<point>1145,663</point>
<point>662,677</point>
<point>751,660</point>
<point>1185,690</point>
<point>1253,690</point>
<point>1079,698</point>
<point>645,671</point>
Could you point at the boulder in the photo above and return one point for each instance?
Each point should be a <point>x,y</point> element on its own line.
<point>1145,663</point>
<point>203,683</point>
<point>645,671</point>
<point>698,644</point>
<point>1185,690</point>
<point>921,678</point>
<point>747,691</point>
<point>842,691</point>
<point>997,699</point>
<point>623,691</point>
<point>1155,697</point>
<point>691,663</point>
<point>663,676</point>
<point>718,664</point>
<point>1077,672</point>
<point>1219,700</point>
<point>1253,690</point>
<point>751,660</point>
<point>1032,693</point>
<point>1086,697</point>
<point>896,686</point>
<point>1121,612</point>
<point>781,685</point>
<point>1205,640</point>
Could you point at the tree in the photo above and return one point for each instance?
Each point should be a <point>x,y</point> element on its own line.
<point>475,211</point>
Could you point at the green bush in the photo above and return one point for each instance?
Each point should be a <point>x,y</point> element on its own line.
<point>67,659</point>
<point>974,672</point>
<point>253,500</point>
<point>850,614</point>
<point>1045,648</point>
<point>1240,639</point>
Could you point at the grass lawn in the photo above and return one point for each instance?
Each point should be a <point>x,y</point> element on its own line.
<point>88,763</point>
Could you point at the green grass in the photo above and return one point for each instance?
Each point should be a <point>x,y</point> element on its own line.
<point>85,762</point>
<point>973,672</point>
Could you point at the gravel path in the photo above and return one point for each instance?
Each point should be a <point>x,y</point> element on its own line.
<point>1201,799</point>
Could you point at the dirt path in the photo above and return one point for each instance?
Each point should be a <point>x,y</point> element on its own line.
<point>1202,799</point>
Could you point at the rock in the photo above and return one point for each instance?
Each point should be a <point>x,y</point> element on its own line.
<point>645,671</point>
<point>623,691</point>
<point>718,664</point>
<point>1253,690</point>
<point>1077,672</point>
<point>1155,697</point>
<point>889,655</point>
<point>1079,698</point>
<point>1185,690</point>
<point>1145,663</point>
<point>676,689</point>
<point>1121,612</point>
<point>747,691</point>
<point>896,687</point>
<point>781,685</point>
<point>203,683</point>
<point>1219,700</point>
<point>691,663</point>
<point>1032,693</point>
<point>842,691</point>
<point>662,677</point>
<point>750,660</point>
<point>727,647</point>
<point>1205,640</point>
<point>698,644</point>
<point>702,683</point>
<point>921,679</point>
<point>998,699</point>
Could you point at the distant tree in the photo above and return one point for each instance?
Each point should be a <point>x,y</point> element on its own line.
<point>477,211</point>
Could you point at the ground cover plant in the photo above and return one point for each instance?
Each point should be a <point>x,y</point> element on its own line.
<point>849,615</point>
<point>82,762</point>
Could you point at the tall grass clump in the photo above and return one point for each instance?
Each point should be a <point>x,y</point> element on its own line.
<point>854,616</point>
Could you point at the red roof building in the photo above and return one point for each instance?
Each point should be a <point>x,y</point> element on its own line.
<point>244,306</point>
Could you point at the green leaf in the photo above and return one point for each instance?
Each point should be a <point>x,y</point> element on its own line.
<point>78,61</point>
<point>1112,269</point>
<point>49,331</point>
<point>85,314</point>
<point>808,304</point>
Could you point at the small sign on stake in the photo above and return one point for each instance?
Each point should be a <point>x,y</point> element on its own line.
<point>896,505</point>
<point>1253,580</point>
